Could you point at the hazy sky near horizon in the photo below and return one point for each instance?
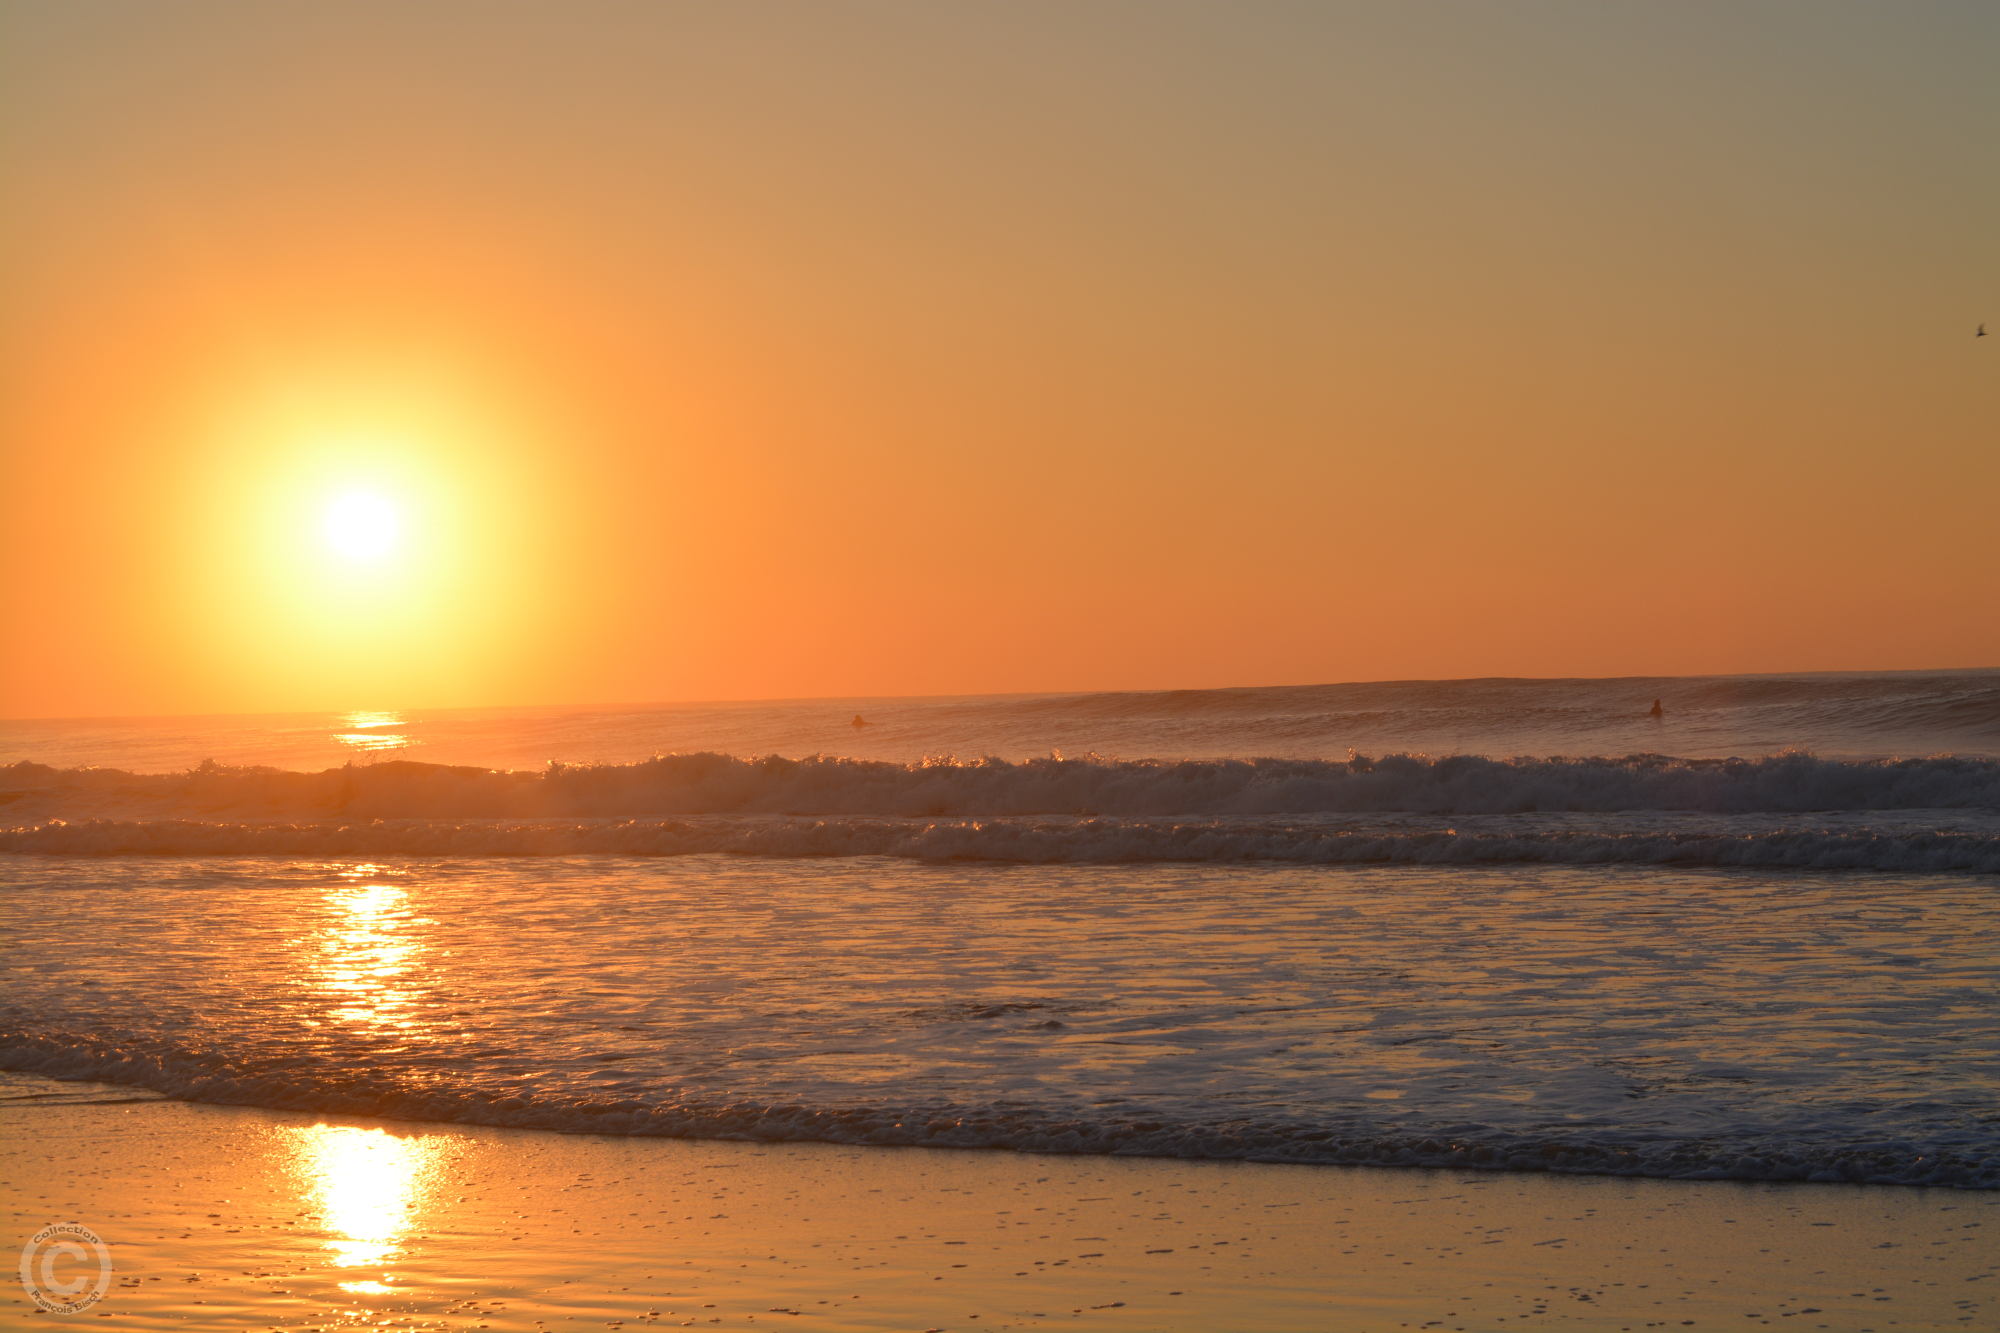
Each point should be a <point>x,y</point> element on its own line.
<point>750,350</point>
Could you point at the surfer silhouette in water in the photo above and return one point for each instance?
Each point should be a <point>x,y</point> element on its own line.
<point>1656,710</point>
<point>859,721</point>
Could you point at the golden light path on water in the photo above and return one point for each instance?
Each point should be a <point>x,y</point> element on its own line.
<point>364,952</point>
<point>368,1183</point>
<point>369,732</point>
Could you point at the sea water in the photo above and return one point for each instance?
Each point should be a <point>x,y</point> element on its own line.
<point>1502,924</point>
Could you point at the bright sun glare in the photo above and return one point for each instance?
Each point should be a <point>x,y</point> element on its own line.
<point>362,525</point>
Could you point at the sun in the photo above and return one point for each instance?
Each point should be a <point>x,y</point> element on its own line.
<point>365,527</point>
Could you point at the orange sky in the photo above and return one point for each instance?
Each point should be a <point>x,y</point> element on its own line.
<point>749,350</point>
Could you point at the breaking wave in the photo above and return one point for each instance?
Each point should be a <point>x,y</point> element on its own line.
<point>1027,841</point>
<point>1963,1162</point>
<point>689,784</point>
<point>1792,810</point>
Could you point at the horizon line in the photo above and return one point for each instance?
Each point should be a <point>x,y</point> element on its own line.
<point>993,694</point>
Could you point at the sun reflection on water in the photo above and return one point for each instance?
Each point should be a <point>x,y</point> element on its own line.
<point>361,966</point>
<point>370,732</point>
<point>368,1184</point>
<point>366,954</point>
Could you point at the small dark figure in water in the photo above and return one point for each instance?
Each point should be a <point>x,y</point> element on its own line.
<point>1656,710</point>
<point>859,721</point>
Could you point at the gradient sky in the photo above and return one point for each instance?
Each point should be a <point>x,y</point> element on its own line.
<point>747,350</point>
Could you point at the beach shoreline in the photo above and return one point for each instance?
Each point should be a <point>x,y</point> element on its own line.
<point>229,1217</point>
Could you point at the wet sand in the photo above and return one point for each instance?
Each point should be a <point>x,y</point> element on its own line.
<point>227,1218</point>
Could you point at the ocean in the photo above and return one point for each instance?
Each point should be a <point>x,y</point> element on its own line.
<point>1490,924</point>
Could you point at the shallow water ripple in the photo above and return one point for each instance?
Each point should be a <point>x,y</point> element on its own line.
<point>1645,1021</point>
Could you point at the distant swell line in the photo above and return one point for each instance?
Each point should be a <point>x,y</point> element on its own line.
<point>1341,1140</point>
<point>1021,841</point>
